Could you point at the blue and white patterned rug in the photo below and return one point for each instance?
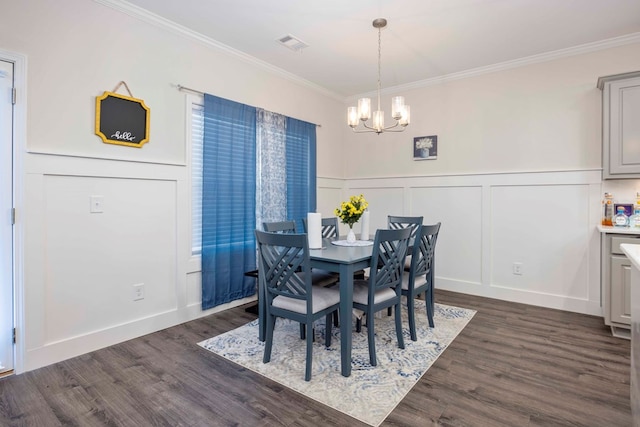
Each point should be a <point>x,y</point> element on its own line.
<point>382,387</point>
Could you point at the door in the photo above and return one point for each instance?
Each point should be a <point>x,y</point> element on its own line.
<point>6,223</point>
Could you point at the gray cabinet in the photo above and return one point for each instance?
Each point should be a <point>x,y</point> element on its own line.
<point>620,305</point>
<point>616,283</point>
<point>620,125</point>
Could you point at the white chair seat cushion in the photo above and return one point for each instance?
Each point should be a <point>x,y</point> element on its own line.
<point>419,281</point>
<point>322,298</point>
<point>361,294</point>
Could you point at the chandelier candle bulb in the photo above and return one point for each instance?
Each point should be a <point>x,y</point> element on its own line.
<point>364,108</point>
<point>406,116</point>
<point>397,107</point>
<point>352,116</point>
<point>314,230</point>
<point>378,120</point>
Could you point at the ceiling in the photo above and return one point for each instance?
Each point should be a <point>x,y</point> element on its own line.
<point>424,39</point>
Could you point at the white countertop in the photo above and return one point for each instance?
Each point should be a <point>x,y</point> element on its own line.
<point>618,230</point>
<point>632,252</point>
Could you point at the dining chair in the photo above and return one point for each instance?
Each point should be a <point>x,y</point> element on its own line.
<point>413,222</point>
<point>395,222</point>
<point>328,227</point>
<point>318,277</point>
<point>419,278</point>
<point>280,226</point>
<point>283,273</point>
<point>383,288</point>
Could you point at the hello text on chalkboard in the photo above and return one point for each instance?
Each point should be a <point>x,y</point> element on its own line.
<point>122,120</point>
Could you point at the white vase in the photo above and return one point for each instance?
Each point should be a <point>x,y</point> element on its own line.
<point>351,237</point>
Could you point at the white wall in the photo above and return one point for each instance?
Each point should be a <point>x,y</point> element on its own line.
<point>517,178</point>
<point>80,267</point>
<point>541,117</point>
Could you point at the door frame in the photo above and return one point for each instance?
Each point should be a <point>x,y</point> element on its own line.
<point>19,149</point>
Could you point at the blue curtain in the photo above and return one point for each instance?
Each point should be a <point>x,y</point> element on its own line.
<point>228,201</point>
<point>301,169</point>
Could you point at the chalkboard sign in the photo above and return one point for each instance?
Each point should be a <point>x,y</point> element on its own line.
<point>122,120</point>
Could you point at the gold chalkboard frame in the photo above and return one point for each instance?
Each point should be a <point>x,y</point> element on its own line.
<point>107,139</point>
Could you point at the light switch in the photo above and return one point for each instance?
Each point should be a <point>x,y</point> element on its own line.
<point>96,203</point>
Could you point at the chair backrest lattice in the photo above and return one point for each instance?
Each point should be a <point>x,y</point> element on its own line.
<point>424,247</point>
<point>329,227</point>
<point>281,256</point>
<point>398,222</point>
<point>280,226</point>
<point>387,260</point>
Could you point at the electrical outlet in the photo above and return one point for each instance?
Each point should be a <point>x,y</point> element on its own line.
<point>517,268</point>
<point>138,291</point>
<point>96,204</point>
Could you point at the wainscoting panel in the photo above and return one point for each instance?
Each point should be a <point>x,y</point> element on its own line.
<point>459,246</point>
<point>543,231</point>
<point>523,237</point>
<point>93,260</point>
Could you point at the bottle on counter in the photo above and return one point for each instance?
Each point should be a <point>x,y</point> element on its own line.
<point>637,201</point>
<point>607,209</point>
<point>634,220</point>
<point>621,219</point>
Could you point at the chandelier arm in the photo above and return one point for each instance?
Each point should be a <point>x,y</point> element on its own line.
<point>367,126</point>
<point>372,129</point>
<point>391,127</point>
<point>362,131</point>
<point>391,130</point>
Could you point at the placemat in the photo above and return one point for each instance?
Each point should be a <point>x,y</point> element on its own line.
<point>356,243</point>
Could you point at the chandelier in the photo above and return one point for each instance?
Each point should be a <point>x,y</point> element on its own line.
<point>399,111</point>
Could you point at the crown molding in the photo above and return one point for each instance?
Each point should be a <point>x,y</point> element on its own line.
<point>159,21</point>
<point>507,65</point>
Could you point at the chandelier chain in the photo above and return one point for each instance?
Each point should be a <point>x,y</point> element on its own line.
<point>379,63</point>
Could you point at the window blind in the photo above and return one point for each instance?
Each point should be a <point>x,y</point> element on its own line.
<point>197,135</point>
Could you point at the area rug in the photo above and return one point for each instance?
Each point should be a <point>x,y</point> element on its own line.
<point>382,387</point>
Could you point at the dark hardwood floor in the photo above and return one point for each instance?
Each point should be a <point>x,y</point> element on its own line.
<point>513,365</point>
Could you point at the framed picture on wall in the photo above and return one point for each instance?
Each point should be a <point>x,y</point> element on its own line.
<point>425,147</point>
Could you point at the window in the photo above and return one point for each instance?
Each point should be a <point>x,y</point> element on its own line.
<point>300,170</point>
<point>197,134</point>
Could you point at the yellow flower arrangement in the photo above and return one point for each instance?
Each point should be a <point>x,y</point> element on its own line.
<point>350,212</point>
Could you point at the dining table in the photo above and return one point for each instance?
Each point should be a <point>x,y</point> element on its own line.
<point>345,260</point>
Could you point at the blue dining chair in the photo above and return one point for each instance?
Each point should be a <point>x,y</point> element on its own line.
<point>396,222</point>
<point>328,227</point>
<point>279,226</point>
<point>383,288</point>
<point>419,278</point>
<point>283,260</point>
<point>318,277</point>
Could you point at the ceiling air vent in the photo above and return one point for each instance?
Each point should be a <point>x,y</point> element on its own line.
<point>292,42</point>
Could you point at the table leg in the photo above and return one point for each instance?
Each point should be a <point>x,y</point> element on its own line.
<point>346,310</point>
<point>262,312</point>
